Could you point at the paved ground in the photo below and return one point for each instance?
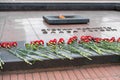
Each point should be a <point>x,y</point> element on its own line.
<point>91,72</point>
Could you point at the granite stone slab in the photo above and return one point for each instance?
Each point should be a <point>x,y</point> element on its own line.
<point>69,19</point>
<point>57,6</point>
<point>118,7</point>
<point>14,63</point>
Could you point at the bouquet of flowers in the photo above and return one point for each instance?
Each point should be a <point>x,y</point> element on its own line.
<point>101,45</point>
<point>37,50</point>
<point>56,49</point>
<point>6,45</point>
<point>73,46</point>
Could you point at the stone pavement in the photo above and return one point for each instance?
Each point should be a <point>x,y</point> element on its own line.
<point>89,72</point>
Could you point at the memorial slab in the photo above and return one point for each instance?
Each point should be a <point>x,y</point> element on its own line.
<point>24,27</point>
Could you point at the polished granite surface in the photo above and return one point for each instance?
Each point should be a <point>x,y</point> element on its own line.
<point>29,25</point>
<point>53,1</point>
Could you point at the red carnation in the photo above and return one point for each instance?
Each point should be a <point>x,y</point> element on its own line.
<point>51,41</point>
<point>118,40</point>
<point>74,37</point>
<point>71,39</point>
<point>112,39</point>
<point>97,39</point>
<point>14,44</point>
<point>69,42</point>
<point>86,40</point>
<point>83,37</point>
<point>41,42</point>
<point>89,37</point>
<point>61,40</point>
<point>8,45</point>
<point>4,44</point>
<point>37,42</point>
<point>0,45</point>
<point>32,42</point>
<point>54,41</point>
<point>105,39</point>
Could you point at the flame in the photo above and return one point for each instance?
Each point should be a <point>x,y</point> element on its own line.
<point>61,17</point>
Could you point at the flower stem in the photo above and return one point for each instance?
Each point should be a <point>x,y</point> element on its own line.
<point>19,56</point>
<point>57,50</point>
<point>49,51</point>
<point>30,56</point>
<point>37,53</point>
<point>74,50</point>
<point>92,47</point>
<point>109,46</point>
<point>1,63</point>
